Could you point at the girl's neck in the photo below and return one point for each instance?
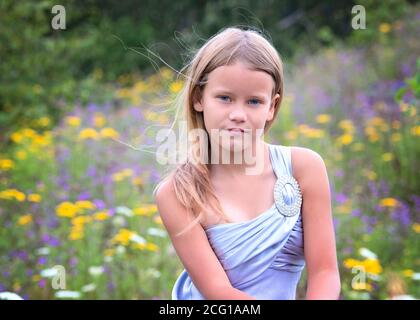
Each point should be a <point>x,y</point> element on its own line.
<point>252,162</point>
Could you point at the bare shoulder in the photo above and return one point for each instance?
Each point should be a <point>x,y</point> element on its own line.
<point>192,246</point>
<point>307,165</point>
<point>171,211</point>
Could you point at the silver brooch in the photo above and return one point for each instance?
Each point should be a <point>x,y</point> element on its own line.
<point>287,196</point>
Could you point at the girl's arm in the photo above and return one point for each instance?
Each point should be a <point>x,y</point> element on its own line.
<point>194,250</point>
<point>319,240</point>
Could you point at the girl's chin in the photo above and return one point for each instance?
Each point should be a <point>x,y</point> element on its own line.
<point>235,145</point>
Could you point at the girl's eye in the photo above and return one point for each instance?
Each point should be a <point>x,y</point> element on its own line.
<point>221,97</point>
<point>256,101</point>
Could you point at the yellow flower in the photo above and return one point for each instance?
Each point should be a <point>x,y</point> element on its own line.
<point>80,221</point>
<point>40,140</point>
<point>85,204</point>
<point>12,193</point>
<point>145,210</point>
<point>102,215</point>
<point>139,87</point>
<point>388,156</point>
<point>99,120</point>
<point>345,139</point>
<point>21,155</point>
<point>372,266</point>
<point>6,164</point>
<point>152,247</point>
<point>73,121</point>
<point>166,73</point>
<point>350,263</point>
<point>123,236</point>
<point>43,121</point>
<point>415,131</point>
<point>408,273</point>
<point>16,137</point>
<point>416,227</point>
<point>24,220</point>
<point>88,133</point>
<point>118,176</point>
<point>176,86</point>
<point>36,277</point>
<point>109,133</point>
<point>358,147</point>
<point>404,106</point>
<point>384,27</point>
<point>395,137</point>
<point>389,202</point>
<point>76,235</point>
<point>346,125</point>
<point>158,220</point>
<point>138,181</point>
<point>323,118</point>
<point>34,197</point>
<point>315,133</point>
<point>27,132</point>
<point>66,209</point>
<point>109,252</point>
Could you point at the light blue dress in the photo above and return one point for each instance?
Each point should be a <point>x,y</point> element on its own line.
<point>264,256</point>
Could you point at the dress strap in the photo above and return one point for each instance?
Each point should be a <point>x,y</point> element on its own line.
<point>281,159</point>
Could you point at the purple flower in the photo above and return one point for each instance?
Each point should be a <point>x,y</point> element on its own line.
<point>42,283</point>
<point>340,198</point>
<point>85,195</point>
<point>91,171</point>
<point>23,255</point>
<point>356,212</point>
<point>42,261</point>
<point>373,189</point>
<point>54,242</point>
<point>100,204</point>
<point>73,261</point>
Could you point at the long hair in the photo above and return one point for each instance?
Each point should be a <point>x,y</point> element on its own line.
<point>191,179</point>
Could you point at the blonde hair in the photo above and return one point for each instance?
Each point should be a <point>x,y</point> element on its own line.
<point>191,180</point>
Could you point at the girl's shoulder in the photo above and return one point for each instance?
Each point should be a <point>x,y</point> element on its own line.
<point>305,162</point>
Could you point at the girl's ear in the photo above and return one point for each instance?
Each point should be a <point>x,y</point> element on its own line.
<point>273,107</point>
<point>198,106</point>
<point>197,101</point>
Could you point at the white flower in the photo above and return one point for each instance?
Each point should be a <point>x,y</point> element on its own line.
<point>153,272</point>
<point>364,252</point>
<point>416,276</point>
<point>43,251</point>
<point>138,239</point>
<point>67,294</point>
<point>108,259</point>
<point>124,211</point>
<point>49,273</point>
<point>9,296</point>
<point>118,221</point>
<point>156,232</point>
<point>89,287</point>
<point>120,250</point>
<point>403,297</point>
<point>96,270</point>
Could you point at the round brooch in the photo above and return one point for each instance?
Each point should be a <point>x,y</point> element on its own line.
<point>287,196</point>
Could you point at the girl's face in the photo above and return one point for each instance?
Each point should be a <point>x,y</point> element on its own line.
<point>237,97</point>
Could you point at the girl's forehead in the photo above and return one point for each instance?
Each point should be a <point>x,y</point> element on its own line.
<point>239,76</point>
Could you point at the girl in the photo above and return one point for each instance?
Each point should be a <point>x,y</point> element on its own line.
<point>240,235</point>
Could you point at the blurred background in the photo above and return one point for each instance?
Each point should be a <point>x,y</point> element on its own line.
<point>80,107</point>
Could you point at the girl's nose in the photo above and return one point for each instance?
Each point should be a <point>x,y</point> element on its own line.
<point>237,114</point>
